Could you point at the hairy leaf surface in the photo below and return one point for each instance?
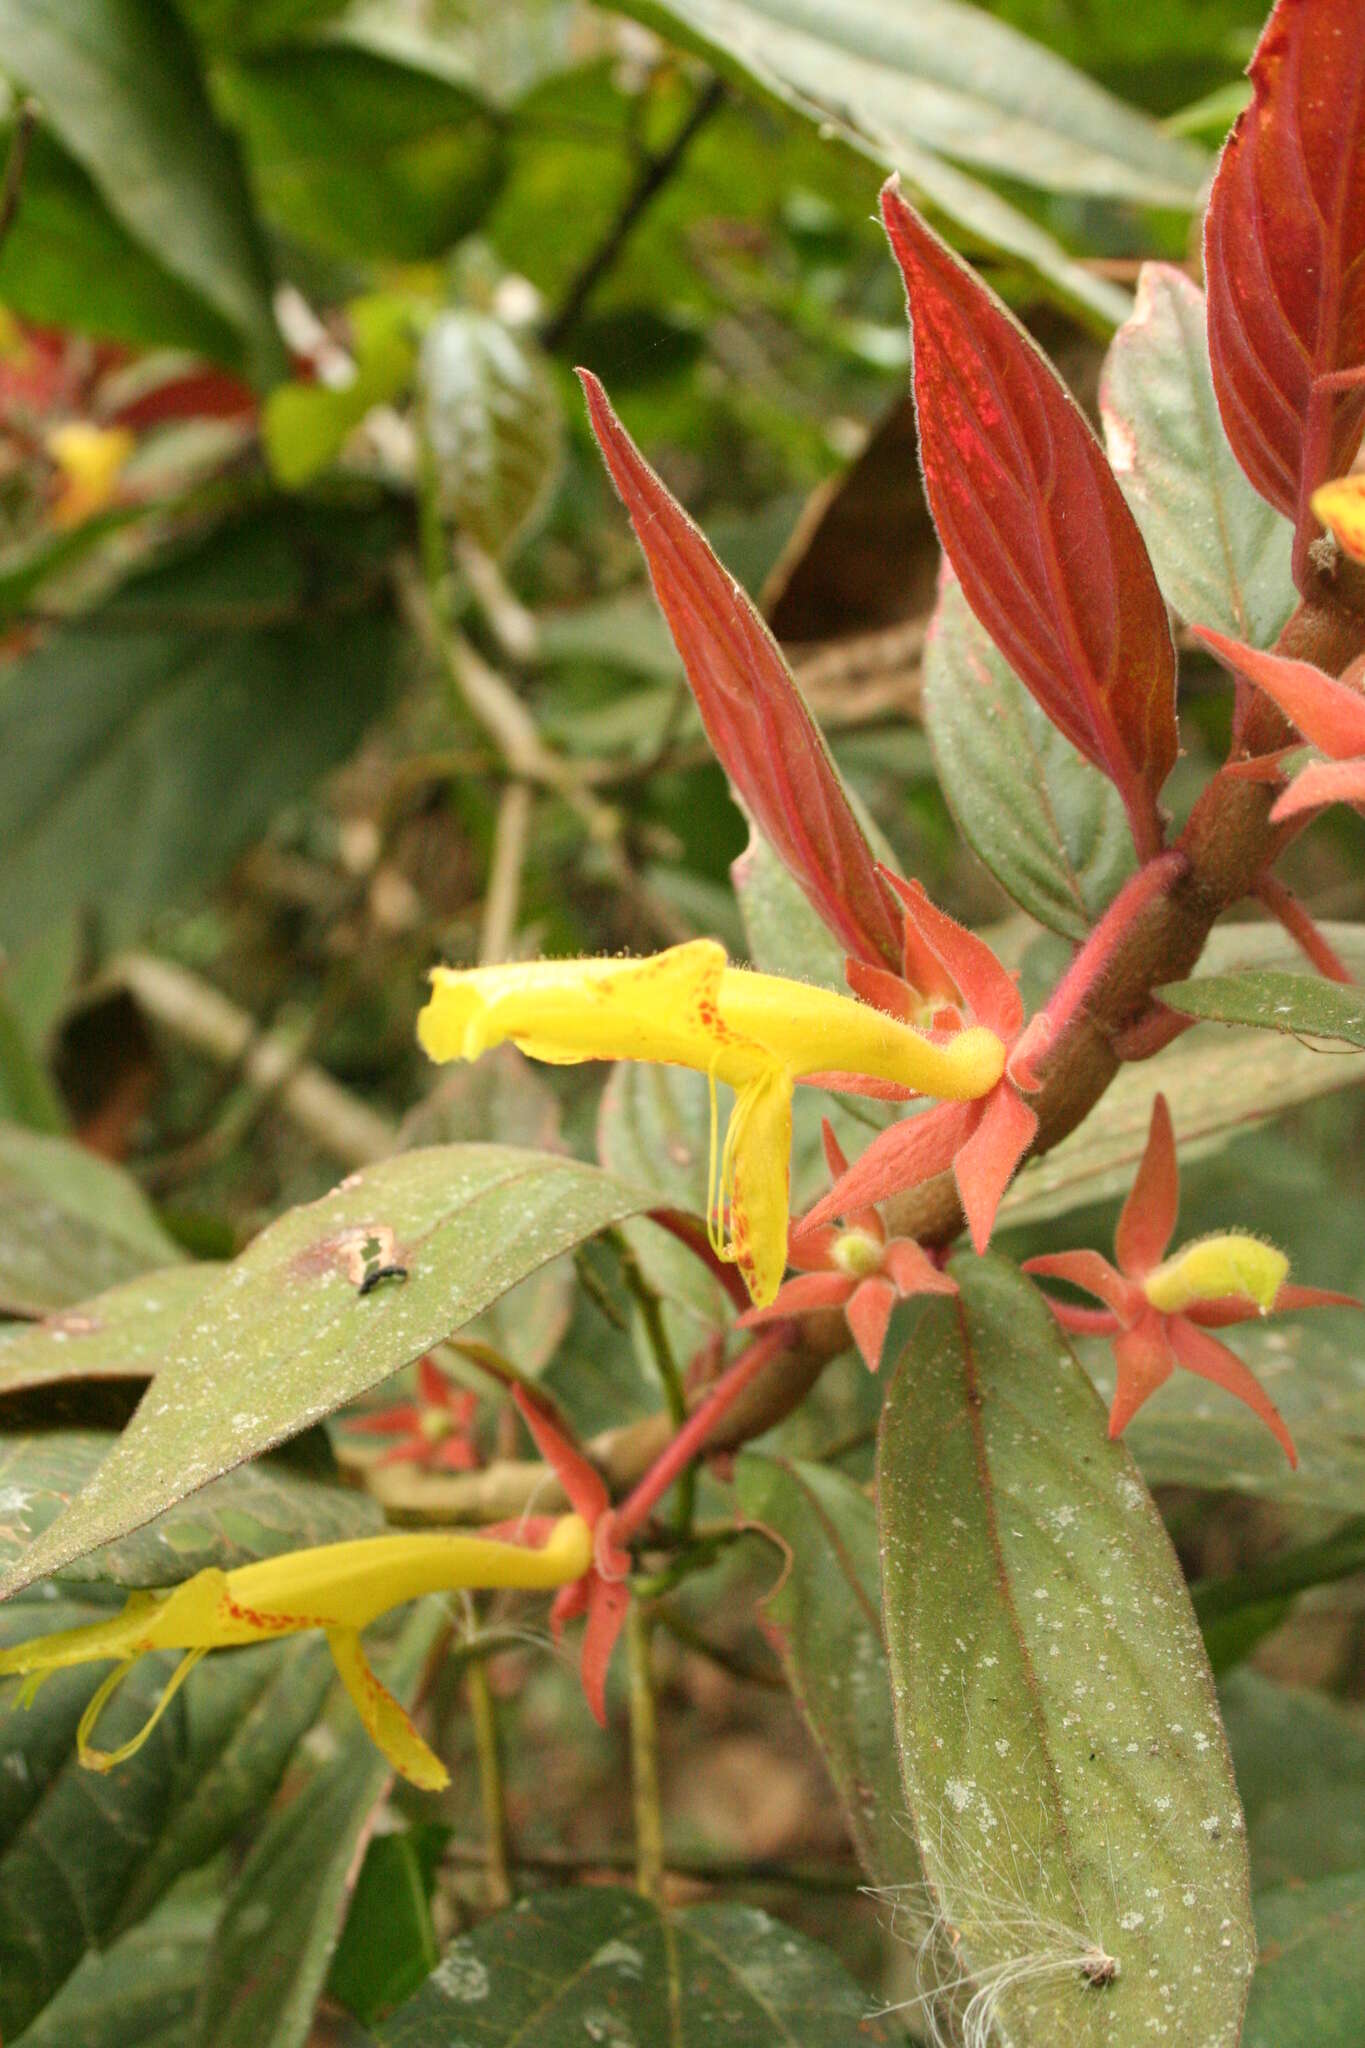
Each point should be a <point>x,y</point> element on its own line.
<point>328,1301</point>
<point>1221,553</point>
<point>1060,1742</point>
<point>1030,515</point>
<point>1048,825</point>
<point>824,1618</point>
<point>752,708</point>
<point>1284,254</point>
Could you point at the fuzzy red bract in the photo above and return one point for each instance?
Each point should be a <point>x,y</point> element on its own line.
<point>982,1141</point>
<point>1328,711</point>
<point>896,1268</point>
<point>1149,1343</point>
<point>1038,532</point>
<point>1284,256</point>
<point>755,716</point>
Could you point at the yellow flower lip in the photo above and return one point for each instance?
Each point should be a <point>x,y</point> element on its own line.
<point>1214,1268</point>
<point>337,1587</point>
<point>687,1007</point>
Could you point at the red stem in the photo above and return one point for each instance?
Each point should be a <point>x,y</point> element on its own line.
<point>695,1432</point>
<point>691,1231</point>
<point>1088,968</point>
<point>1283,904</point>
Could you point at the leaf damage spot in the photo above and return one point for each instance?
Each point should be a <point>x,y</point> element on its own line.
<point>70,1323</point>
<point>367,1253</point>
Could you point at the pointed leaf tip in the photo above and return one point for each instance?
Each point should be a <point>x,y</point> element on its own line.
<point>1147,1221</point>
<point>1029,513</point>
<point>755,716</point>
<point>1284,238</point>
<point>1326,711</point>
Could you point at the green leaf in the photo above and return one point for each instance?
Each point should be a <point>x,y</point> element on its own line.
<point>70,1224</point>
<point>1300,1763</point>
<point>388,1945</point>
<point>180,714</point>
<point>306,426</point>
<point>824,1618</point>
<point>361,153</point>
<point>1060,1743</point>
<point>274,1944</point>
<point>138,1994</point>
<point>595,1965</point>
<point>503,1099</point>
<point>286,1334</point>
<point>1304,1005</point>
<point>120,83</point>
<point>1050,828</point>
<point>1194,1435</point>
<point>929,89</point>
<point>81,1856</point>
<point>121,1334</point>
<point>27,1093</point>
<point>785,934</point>
<point>256,1511</point>
<point>1221,553</point>
<point>948,78</point>
<point>1217,1086</point>
<point>244,24</point>
<point>67,261</point>
<point>492,426</point>
<point>1309,1988</point>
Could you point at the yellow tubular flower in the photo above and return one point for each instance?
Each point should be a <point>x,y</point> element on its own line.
<point>1341,508</point>
<point>1216,1267</point>
<point>91,460</point>
<point>688,1007</point>
<point>338,1587</point>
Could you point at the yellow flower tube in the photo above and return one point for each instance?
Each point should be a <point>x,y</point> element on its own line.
<point>91,459</point>
<point>338,1587</point>
<point>687,1007</point>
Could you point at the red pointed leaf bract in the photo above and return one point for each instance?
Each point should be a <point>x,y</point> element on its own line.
<point>1284,256</point>
<point>869,1317</point>
<point>1145,1362</point>
<point>1202,1354</point>
<point>582,1482</point>
<point>1147,1221</point>
<point>1329,713</point>
<point>1325,782</point>
<point>1030,515</point>
<point>755,716</point>
<point>986,1164</point>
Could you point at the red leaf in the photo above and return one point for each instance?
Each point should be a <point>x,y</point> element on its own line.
<point>754,714</point>
<point>201,393</point>
<point>1048,555</point>
<point>1284,253</point>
